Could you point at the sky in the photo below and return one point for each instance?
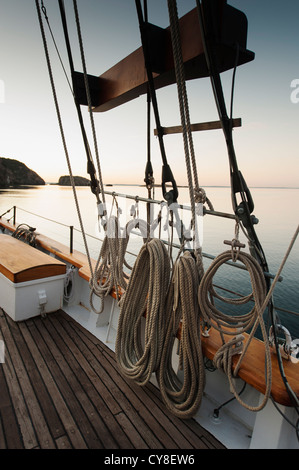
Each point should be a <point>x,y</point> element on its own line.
<point>266,96</point>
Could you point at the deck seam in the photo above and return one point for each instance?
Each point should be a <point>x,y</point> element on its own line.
<point>85,388</point>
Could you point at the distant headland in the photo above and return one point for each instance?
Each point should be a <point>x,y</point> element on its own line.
<point>78,180</point>
<point>14,173</point>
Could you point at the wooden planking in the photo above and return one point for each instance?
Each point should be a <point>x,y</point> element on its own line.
<point>9,430</point>
<point>22,384</point>
<point>47,370</point>
<point>134,399</point>
<point>61,388</point>
<point>140,396</point>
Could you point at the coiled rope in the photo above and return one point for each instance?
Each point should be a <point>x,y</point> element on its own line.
<point>183,398</point>
<point>236,325</point>
<point>24,231</point>
<point>137,353</point>
<point>105,276</point>
<point>109,270</point>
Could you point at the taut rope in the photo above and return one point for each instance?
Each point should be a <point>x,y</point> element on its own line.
<point>197,195</point>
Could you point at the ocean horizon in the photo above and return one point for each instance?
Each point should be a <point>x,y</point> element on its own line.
<point>39,206</point>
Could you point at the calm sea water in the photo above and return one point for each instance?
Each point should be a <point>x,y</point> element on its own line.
<point>276,209</point>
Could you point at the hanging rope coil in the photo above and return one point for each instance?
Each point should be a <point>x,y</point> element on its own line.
<point>235,325</point>
<point>183,398</point>
<point>139,357</point>
<point>105,276</point>
<point>109,270</point>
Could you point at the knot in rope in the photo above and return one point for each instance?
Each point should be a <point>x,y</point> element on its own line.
<point>224,355</point>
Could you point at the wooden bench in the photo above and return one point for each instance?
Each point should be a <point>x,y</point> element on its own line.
<point>20,262</point>
<point>31,282</point>
<point>76,258</point>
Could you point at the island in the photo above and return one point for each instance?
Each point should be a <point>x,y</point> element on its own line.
<point>78,180</point>
<point>14,173</point>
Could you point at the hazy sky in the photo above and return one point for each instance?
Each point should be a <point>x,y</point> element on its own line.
<point>266,144</point>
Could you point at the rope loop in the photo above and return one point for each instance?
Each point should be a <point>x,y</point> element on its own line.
<point>228,324</point>
<point>138,353</point>
<point>182,397</point>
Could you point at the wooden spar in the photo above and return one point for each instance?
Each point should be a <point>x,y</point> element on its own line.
<point>201,126</point>
<point>128,79</point>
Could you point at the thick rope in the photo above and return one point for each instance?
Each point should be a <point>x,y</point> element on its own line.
<point>196,194</point>
<point>104,277</point>
<point>109,270</point>
<point>183,398</point>
<point>138,354</point>
<point>235,325</point>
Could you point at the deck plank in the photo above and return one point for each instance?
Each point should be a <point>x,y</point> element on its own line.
<point>9,432</point>
<point>33,338</point>
<point>116,383</point>
<point>61,388</point>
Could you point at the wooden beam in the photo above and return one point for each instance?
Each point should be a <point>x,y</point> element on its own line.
<point>128,78</point>
<point>201,126</point>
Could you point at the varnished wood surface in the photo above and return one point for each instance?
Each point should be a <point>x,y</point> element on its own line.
<point>20,262</point>
<point>61,388</point>
<point>201,126</point>
<point>127,79</point>
<point>252,369</point>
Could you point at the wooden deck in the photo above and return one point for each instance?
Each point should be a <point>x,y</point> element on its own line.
<point>60,388</point>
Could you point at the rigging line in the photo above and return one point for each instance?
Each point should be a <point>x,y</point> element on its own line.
<point>181,83</point>
<point>44,10</point>
<point>90,166</point>
<point>167,176</point>
<point>142,26</point>
<point>184,113</point>
<point>89,98</point>
<point>149,174</point>
<point>218,93</point>
<point>61,129</point>
<point>148,170</point>
<point>238,184</point>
